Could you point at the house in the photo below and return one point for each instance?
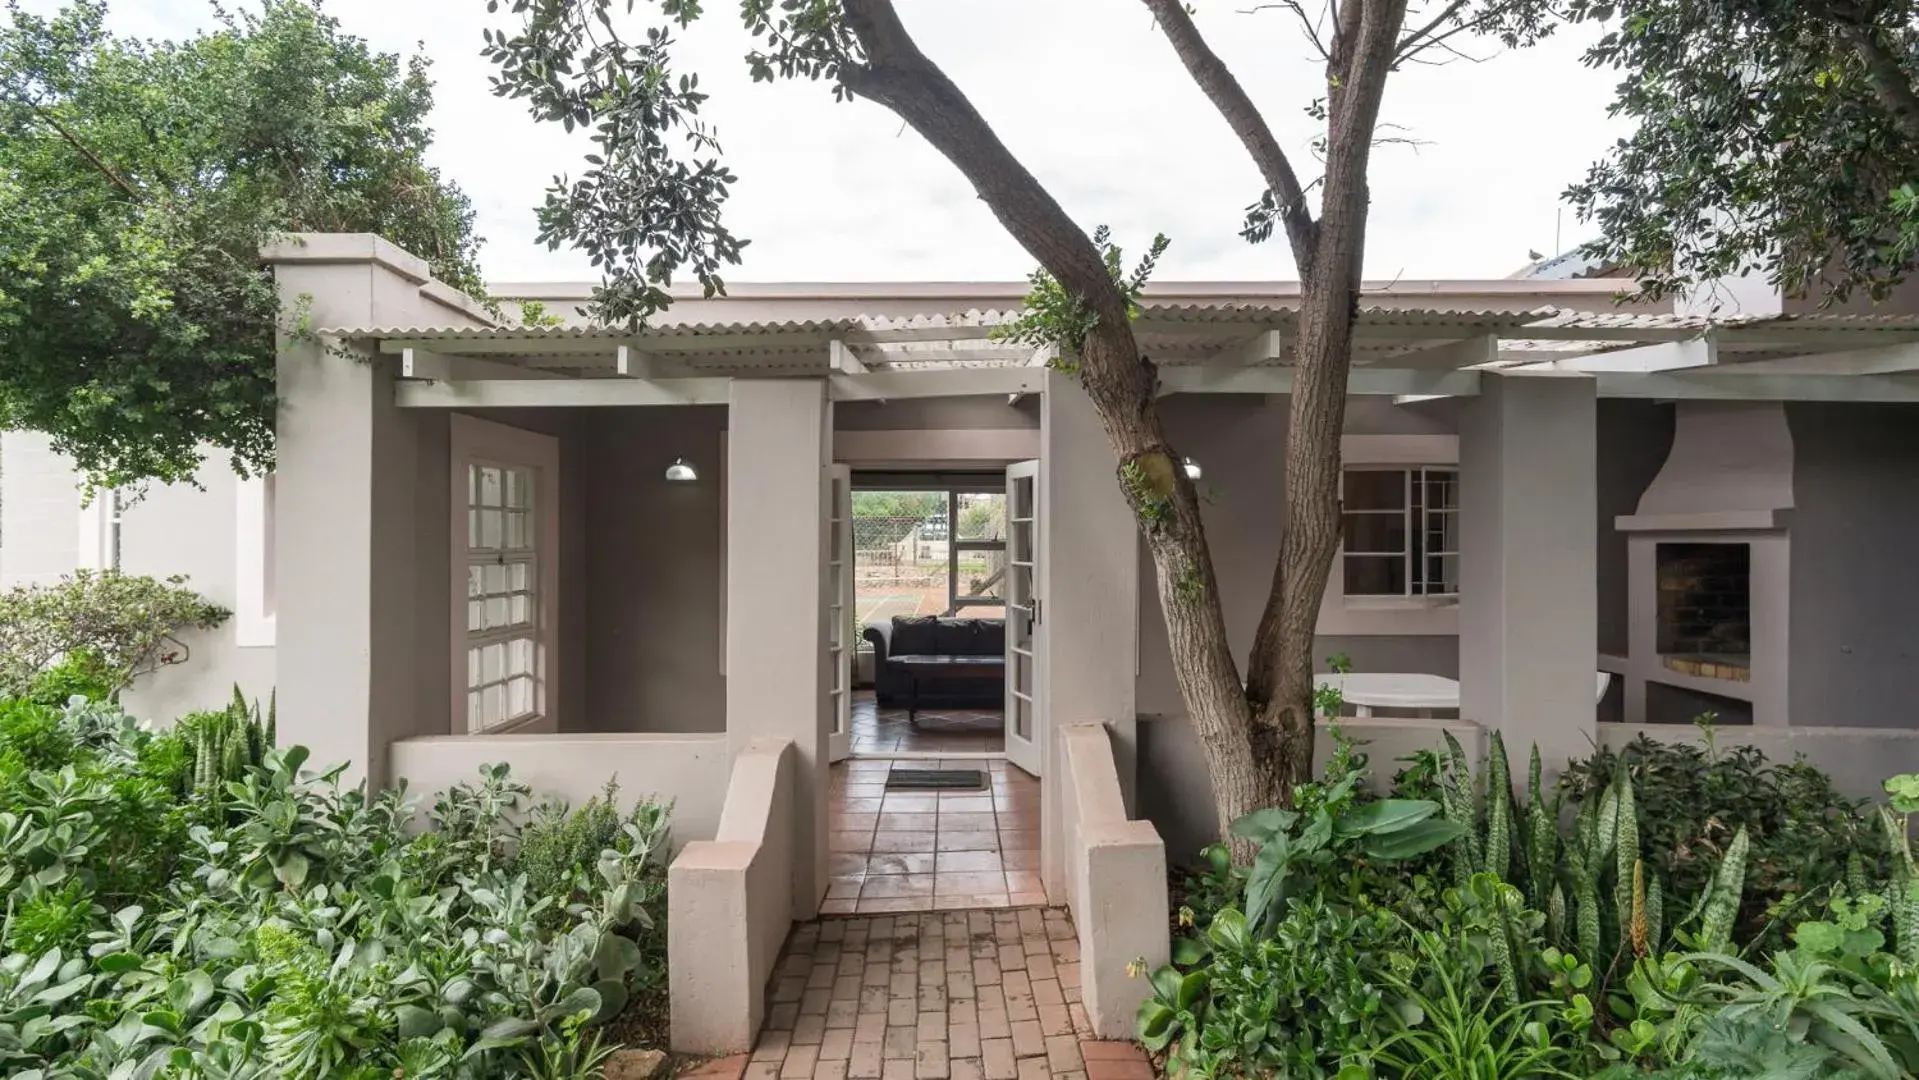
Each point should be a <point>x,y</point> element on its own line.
<point>593,552</point>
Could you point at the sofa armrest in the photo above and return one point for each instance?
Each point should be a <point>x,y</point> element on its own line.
<point>880,634</point>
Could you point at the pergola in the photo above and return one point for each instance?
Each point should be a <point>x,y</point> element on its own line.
<point>1408,354</point>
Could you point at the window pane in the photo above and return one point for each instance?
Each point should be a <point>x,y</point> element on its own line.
<point>519,697</point>
<point>517,576</point>
<point>494,575</point>
<point>1375,489</point>
<point>496,612</point>
<point>520,656</point>
<point>1375,575</point>
<point>472,528</point>
<point>473,711</point>
<point>1442,489</point>
<point>475,615</point>
<point>489,486</point>
<point>472,668</point>
<point>492,705</point>
<point>1442,575</point>
<point>490,529</point>
<point>982,517</point>
<point>516,535</point>
<point>493,663</point>
<point>476,581</point>
<point>516,487</point>
<point>1375,534</point>
<point>518,611</point>
<point>1442,532</point>
<point>472,484</point>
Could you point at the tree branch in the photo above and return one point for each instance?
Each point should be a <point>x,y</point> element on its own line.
<point>1224,91</point>
<point>1282,645</point>
<point>1890,83</point>
<point>86,151</point>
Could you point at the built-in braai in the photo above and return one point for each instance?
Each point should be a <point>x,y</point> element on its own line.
<point>1704,608</point>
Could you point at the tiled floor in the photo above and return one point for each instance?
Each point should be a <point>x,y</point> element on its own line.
<point>942,731</point>
<point>960,995</point>
<point>926,850</point>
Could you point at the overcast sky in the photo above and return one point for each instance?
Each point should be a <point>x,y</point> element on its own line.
<point>1085,91</point>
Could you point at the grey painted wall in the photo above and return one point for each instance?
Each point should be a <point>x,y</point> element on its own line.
<point>917,413</point>
<point>1634,438</point>
<point>1854,637</point>
<point>651,585</point>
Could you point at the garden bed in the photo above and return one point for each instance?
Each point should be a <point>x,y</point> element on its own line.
<point>1667,911</point>
<point>196,903</point>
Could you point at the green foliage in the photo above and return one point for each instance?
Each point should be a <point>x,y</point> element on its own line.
<point>297,928</point>
<point>1771,135</point>
<point>1053,317</point>
<point>225,745</point>
<point>94,632</point>
<point>1691,801</point>
<point>138,182</point>
<point>1448,1027</point>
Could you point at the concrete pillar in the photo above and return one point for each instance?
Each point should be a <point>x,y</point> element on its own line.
<point>362,541</point>
<point>778,445</point>
<point>1088,640</point>
<point>1528,589</point>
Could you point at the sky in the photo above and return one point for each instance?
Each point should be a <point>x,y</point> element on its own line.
<point>1085,92</point>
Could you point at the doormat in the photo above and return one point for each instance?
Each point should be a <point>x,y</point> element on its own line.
<point>935,780</point>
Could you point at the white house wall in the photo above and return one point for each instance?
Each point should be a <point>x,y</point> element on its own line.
<point>39,511</point>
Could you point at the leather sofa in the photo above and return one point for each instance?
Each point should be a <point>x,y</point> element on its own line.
<point>931,635</point>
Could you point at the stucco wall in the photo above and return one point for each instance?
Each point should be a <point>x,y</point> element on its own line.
<point>183,530</point>
<point>39,508</point>
<point>652,586</point>
<point>1854,638</point>
<point>1634,437</point>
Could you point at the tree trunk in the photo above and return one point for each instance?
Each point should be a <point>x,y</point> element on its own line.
<point>1123,386</point>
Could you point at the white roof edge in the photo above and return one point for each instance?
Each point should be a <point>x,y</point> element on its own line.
<point>1016,290</point>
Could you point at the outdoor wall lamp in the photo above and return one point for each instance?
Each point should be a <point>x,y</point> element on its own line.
<point>680,472</point>
<point>1193,471</point>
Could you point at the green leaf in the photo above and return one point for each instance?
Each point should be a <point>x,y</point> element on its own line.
<point>414,1022</point>
<point>1261,824</point>
<point>1191,987</point>
<point>1386,815</point>
<point>1412,840</point>
<point>291,869</point>
<point>1155,1024</point>
<point>507,1029</point>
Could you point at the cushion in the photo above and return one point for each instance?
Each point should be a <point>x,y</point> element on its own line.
<point>956,636</point>
<point>914,635</point>
<point>990,639</point>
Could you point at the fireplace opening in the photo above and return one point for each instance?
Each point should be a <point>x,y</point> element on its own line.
<point>1705,609</point>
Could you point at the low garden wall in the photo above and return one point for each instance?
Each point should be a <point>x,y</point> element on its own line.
<point>1116,882</point>
<point>1857,758</point>
<point>688,771</point>
<point>730,906</point>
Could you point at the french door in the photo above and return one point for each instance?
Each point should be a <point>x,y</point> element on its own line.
<point>840,637</point>
<point>1024,724</point>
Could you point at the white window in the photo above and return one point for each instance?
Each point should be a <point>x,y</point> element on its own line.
<point>503,593</point>
<point>101,522</point>
<point>1400,531</point>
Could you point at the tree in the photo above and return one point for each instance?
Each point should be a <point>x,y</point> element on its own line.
<point>138,182</point>
<point>1774,136</point>
<point>649,206</point>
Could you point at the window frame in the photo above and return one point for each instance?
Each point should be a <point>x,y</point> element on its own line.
<point>955,602</point>
<point>1414,514</point>
<point>483,443</point>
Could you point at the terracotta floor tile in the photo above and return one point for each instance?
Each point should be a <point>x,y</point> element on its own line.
<point>849,841</point>
<point>952,803</point>
<point>908,903</point>
<point>910,804</point>
<point>894,886</point>
<point>907,862</point>
<point>844,885</point>
<point>902,842</point>
<point>905,821</point>
<point>1024,881</point>
<point>968,841</point>
<point>954,861</point>
<point>967,883</point>
<point>850,822</point>
<point>1022,859</point>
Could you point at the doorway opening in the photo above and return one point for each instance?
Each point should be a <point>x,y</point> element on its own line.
<point>935,575</point>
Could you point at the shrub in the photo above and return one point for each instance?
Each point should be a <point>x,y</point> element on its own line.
<point>297,928</point>
<point>1693,800</point>
<point>124,625</point>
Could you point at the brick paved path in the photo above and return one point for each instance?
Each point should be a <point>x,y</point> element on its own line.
<point>951,995</point>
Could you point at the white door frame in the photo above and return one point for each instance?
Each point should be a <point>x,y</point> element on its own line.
<point>840,640</point>
<point>1025,620</point>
